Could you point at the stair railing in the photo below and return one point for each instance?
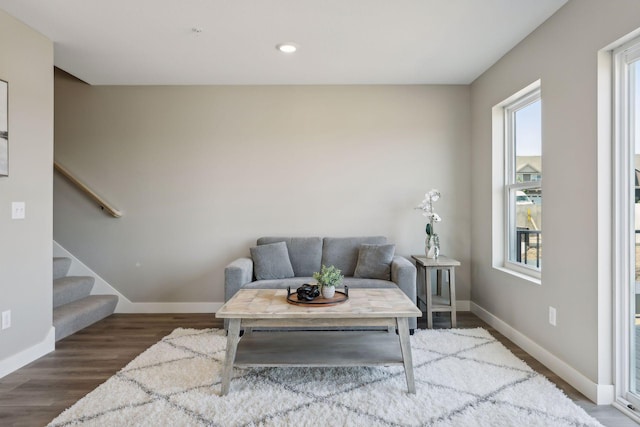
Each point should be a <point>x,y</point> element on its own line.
<point>104,205</point>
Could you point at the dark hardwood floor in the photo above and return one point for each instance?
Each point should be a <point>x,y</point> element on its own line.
<point>37,393</point>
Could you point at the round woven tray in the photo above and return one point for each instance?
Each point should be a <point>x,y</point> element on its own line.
<point>338,298</point>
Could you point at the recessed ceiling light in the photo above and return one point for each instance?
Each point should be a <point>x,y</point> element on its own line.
<point>287,47</point>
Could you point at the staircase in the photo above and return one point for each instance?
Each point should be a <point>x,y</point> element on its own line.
<point>73,306</point>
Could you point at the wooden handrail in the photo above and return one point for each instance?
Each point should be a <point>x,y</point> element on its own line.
<point>104,205</point>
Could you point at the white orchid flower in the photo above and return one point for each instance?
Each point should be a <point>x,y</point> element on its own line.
<point>427,205</point>
<point>433,195</point>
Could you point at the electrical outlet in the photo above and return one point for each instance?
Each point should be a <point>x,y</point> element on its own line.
<point>6,319</point>
<point>552,316</point>
<point>18,210</point>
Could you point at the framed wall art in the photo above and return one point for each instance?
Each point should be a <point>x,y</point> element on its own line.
<point>4,128</point>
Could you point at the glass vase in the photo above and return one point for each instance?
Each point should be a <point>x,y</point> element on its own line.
<point>432,246</point>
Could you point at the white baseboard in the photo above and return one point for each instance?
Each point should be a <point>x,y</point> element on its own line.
<point>101,287</point>
<point>173,307</point>
<point>17,361</point>
<point>601,394</point>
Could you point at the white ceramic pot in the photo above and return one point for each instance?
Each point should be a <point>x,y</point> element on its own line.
<point>328,291</point>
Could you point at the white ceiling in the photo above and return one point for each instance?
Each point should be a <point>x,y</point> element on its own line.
<point>152,42</point>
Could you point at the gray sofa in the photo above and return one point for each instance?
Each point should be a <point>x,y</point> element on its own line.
<point>267,268</point>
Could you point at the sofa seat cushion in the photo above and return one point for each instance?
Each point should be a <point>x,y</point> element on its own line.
<point>356,282</point>
<point>294,282</point>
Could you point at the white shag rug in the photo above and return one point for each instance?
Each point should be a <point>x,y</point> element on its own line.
<point>464,377</point>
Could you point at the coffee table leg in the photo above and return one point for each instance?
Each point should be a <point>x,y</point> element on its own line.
<point>233,336</point>
<point>405,346</point>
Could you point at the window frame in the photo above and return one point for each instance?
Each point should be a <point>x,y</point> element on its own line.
<point>623,221</point>
<point>528,96</point>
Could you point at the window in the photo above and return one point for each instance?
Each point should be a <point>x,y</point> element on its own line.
<point>627,219</point>
<point>522,190</point>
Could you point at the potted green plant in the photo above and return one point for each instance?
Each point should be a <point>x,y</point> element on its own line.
<point>328,278</point>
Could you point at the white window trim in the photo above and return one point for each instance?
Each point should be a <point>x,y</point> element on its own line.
<point>623,220</point>
<point>503,170</point>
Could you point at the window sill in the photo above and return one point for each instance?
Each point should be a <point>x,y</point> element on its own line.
<point>519,275</point>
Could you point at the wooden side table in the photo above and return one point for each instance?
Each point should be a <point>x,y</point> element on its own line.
<point>436,303</point>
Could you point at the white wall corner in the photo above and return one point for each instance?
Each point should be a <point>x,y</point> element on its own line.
<point>601,394</point>
<point>17,361</point>
<point>463,305</point>
<point>102,287</point>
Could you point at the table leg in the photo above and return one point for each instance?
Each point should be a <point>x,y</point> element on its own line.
<point>429,296</point>
<point>233,336</point>
<point>438,282</point>
<point>405,347</point>
<point>452,295</point>
<point>419,286</point>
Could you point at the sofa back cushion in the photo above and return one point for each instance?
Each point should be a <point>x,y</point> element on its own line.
<point>342,252</point>
<point>305,253</point>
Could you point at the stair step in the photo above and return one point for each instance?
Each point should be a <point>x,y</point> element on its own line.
<point>60,267</point>
<point>70,318</point>
<point>71,288</point>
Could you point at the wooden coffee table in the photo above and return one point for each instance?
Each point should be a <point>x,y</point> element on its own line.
<point>268,308</point>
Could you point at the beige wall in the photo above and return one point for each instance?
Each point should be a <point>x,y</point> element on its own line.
<point>563,53</point>
<point>26,62</point>
<point>201,172</point>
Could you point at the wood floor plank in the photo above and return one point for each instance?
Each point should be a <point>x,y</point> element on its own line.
<point>40,391</point>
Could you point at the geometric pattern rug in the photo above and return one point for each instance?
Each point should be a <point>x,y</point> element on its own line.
<point>464,377</point>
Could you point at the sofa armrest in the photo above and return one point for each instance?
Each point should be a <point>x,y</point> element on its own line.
<point>236,274</point>
<point>403,273</point>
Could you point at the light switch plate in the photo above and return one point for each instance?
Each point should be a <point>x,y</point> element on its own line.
<point>18,210</point>
<point>6,319</point>
<point>552,316</point>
